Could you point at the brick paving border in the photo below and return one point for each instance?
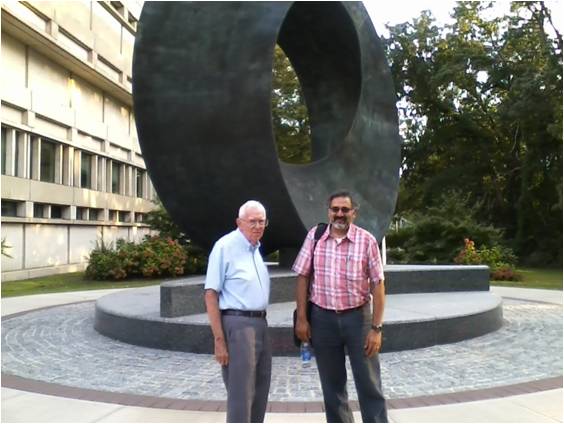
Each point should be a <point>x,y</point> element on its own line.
<point>59,390</point>
<point>53,389</point>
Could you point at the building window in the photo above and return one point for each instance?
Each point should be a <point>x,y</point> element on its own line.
<point>116,177</point>
<point>56,211</point>
<point>113,215</point>
<point>47,167</point>
<point>139,217</point>
<point>86,170</point>
<point>38,209</point>
<point>4,157</point>
<point>123,216</point>
<point>95,214</point>
<point>18,170</point>
<point>139,182</point>
<point>82,213</point>
<point>9,207</point>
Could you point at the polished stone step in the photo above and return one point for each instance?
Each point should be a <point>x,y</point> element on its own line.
<point>411,321</point>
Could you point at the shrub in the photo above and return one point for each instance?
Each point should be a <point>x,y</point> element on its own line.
<point>155,256</point>
<point>396,255</point>
<point>500,260</point>
<point>505,273</point>
<point>105,263</point>
<point>468,255</point>
<point>159,220</point>
<point>435,234</point>
<point>161,256</point>
<point>196,259</point>
<point>130,256</point>
<point>5,247</point>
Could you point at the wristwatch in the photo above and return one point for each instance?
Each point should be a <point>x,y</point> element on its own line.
<point>377,328</point>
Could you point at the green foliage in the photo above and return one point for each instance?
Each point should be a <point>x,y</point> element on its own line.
<point>435,234</point>
<point>5,247</point>
<point>505,273</point>
<point>159,256</point>
<point>289,113</point>
<point>196,260</point>
<point>481,108</point>
<point>155,256</point>
<point>74,281</point>
<point>104,263</point>
<point>159,220</point>
<point>499,259</point>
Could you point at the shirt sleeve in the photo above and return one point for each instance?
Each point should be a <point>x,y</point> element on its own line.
<point>375,267</point>
<point>215,275</point>
<point>302,264</point>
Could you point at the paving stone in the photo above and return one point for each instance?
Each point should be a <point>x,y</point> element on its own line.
<point>60,345</point>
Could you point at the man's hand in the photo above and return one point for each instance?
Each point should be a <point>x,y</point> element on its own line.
<point>373,343</point>
<point>214,315</point>
<point>303,330</point>
<point>221,354</point>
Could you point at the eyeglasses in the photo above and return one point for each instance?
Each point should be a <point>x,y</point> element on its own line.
<point>336,209</point>
<point>254,223</point>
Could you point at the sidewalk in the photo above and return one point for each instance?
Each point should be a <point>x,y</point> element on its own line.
<point>22,406</point>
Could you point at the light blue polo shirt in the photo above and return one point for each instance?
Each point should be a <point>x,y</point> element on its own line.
<point>237,272</point>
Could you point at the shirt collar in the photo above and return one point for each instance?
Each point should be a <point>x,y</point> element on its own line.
<point>245,242</point>
<point>351,233</point>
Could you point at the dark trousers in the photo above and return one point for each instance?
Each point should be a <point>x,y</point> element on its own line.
<point>247,375</point>
<point>332,335</point>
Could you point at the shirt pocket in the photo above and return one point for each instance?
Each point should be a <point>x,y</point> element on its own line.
<point>355,269</point>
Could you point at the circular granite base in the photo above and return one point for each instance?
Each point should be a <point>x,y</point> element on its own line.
<point>411,321</point>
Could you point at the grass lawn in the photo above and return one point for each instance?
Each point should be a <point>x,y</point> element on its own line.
<point>537,278</point>
<point>75,281</point>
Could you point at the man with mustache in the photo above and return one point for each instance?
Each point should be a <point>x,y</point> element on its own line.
<point>237,291</point>
<point>344,272</point>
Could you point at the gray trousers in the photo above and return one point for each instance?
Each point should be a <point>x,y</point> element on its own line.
<point>247,375</point>
<point>331,334</point>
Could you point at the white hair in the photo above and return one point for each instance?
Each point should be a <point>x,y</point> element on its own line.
<point>251,204</point>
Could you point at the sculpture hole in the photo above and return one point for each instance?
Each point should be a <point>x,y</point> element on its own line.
<point>290,117</point>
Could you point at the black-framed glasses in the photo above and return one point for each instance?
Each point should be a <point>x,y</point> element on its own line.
<point>336,209</point>
<point>255,223</point>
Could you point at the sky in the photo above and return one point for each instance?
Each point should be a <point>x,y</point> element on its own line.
<point>398,11</point>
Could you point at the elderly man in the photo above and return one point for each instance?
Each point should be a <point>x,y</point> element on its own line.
<point>236,294</point>
<point>347,272</point>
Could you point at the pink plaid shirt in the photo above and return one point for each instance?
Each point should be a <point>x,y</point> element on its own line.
<point>343,272</point>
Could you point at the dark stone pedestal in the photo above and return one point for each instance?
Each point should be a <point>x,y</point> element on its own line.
<point>428,306</point>
<point>184,297</point>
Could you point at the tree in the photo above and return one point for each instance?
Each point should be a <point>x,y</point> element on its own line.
<point>481,110</point>
<point>289,113</point>
<point>159,220</point>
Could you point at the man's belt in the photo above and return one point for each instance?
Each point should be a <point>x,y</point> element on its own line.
<point>239,313</point>
<point>344,311</point>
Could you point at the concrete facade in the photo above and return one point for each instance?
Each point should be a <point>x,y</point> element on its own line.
<point>72,169</point>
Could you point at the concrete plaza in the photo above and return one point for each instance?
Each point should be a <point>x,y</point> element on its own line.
<point>56,368</point>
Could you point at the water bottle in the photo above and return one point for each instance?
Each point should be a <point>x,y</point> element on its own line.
<point>305,353</point>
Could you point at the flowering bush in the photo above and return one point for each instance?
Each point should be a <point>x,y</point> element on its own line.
<point>505,273</point>
<point>155,256</point>
<point>468,255</point>
<point>433,235</point>
<point>105,263</point>
<point>501,260</point>
<point>161,256</point>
